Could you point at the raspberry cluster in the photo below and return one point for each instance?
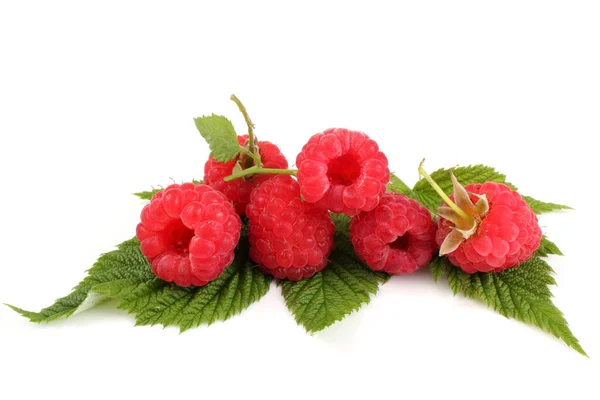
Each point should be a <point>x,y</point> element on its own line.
<point>189,232</point>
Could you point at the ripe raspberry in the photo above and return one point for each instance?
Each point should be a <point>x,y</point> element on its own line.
<point>398,236</point>
<point>342,171</point>
<point>188,233</point>
<point>506,234</point>
<point>289,238</point>
<point>238,191</point>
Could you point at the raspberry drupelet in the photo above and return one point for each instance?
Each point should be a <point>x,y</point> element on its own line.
<point>342,171</point>
<point>188,233</point>
<point>289,238</point>
<point>238,190</point>
<point>397,237</point>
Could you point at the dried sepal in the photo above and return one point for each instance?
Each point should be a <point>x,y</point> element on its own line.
<point>465,223</point>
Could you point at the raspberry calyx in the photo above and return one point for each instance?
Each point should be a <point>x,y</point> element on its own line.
<point>485,227</point>
<point>465,215</point>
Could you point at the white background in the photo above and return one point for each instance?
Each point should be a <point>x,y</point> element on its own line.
<point>97,102</point>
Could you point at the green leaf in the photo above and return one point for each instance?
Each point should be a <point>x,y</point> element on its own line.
<point>341,288</point>
<point>342,223</point>
<point>125,263</point>
<point>547,247</point>
<point>220,135</point>
<point>540,207</point>
<point>521,293</point>
<point>125,275</point>
<point>426,195</point>
<point>157,302</point>
<point>396,185</point>
<point>147,195</point>
<point>465,175</point>
<point>439,266</point>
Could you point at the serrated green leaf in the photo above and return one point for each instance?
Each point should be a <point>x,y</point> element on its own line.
<point>540,207</point>
<point>426,195</point>
<point>439,266</point>
<point>341,288</point>
<point>342,223</point>
<point>125,263</point>
<point>521,293</point>
<point>220,135</point>
<point>466,175</point>
<point>147,195</point>
<point>547,247</point>
<point>236,289</point>
<point>125,275</point>
<point>396,185</point>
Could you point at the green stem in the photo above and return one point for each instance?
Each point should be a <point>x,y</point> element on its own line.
<point>442,194</point>
<point>250,154</point>
<point>248,121</point>
<point>258,170</point>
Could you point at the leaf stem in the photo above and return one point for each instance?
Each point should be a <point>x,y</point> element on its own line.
<point>442,194</point>
<point>258,170</point>
<point>248,120</point>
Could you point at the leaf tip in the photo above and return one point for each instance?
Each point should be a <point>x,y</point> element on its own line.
<point>16,309</point>
<point>576,346</point>
<point>311,331</point>
<point>30,315</point>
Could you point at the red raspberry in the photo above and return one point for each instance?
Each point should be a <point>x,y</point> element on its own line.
<point>342,171</point>
<point>398,236</point>
<point>506,235</point>
<point>289,238</point>
<point>188,233</point>
<point>238,191</point>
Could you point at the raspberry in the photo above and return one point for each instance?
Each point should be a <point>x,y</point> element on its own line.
<point>342,171</point>
<point>397,236</point>
<point>188,233</point>
<point>289,238</point>
<point>506,234</point>
<point>238,191</point>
